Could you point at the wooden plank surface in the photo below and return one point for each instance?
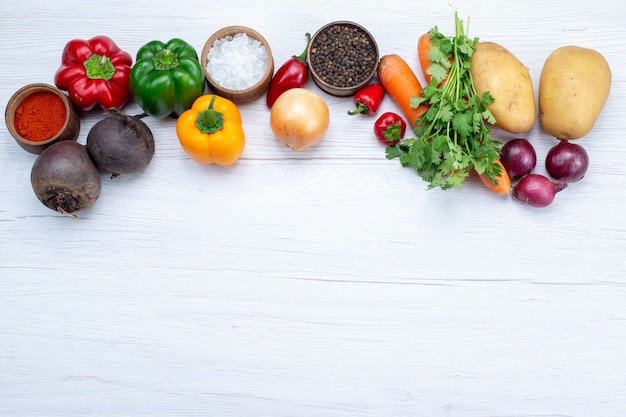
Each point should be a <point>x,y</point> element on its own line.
<point>321,284</point>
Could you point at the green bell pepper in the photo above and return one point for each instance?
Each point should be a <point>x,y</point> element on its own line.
<point>166,78</point>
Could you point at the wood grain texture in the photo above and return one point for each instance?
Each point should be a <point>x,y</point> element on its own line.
<point>324,283</point>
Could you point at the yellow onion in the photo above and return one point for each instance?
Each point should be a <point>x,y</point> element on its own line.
<point>299,118</point>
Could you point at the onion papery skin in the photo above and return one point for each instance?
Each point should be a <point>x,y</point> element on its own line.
<point>567,162</point>
<point>518,157</point>
<point>299,118</point>
<point>536,190</point>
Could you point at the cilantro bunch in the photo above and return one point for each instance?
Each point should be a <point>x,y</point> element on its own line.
<point>453,135</point>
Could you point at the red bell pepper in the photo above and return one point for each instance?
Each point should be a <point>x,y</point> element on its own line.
<point>389,128</point>
<point>368,99</point>
<point>95,71</point>
<point>293,73</point>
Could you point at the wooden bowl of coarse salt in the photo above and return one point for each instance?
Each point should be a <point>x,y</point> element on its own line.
<point>237,63</point>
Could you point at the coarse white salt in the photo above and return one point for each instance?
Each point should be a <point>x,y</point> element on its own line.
<point>237,62</point>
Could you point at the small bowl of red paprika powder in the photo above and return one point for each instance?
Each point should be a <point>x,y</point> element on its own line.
<point>38,115</point>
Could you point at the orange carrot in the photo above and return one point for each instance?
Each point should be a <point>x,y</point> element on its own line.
<point>503,186</point>
<point>401,84</point>
<point>423,47</point>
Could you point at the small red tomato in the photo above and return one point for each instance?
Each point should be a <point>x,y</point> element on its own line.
<point>389,128</point>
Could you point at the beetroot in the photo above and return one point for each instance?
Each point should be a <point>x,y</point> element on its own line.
<point>65,179</point>
<point>120,144</point>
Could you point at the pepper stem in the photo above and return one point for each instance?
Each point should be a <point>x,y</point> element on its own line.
<point>99,67</point>
<point>302,56</point>
<point>165,60</point>
<point>360,108</point>
<point>210,120</point>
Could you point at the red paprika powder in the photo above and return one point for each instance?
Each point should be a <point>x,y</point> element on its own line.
<point>40,116</point>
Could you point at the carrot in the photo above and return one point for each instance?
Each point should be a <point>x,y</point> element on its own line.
<point>401,85</point>
<point>423,47</point>
<point>503,186</point>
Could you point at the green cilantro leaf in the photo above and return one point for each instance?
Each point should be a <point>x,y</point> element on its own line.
<point>453,136</point>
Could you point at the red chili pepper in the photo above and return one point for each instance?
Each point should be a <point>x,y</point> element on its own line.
<point>389,128</point>
<point>95,71</point>
<point>368,99</point>
<point>292,74</point>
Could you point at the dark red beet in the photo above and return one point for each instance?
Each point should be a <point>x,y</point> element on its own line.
<point>120,144</point>
<point>65,179</point>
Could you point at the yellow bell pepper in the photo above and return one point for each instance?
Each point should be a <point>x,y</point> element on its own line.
<point>211,131</point>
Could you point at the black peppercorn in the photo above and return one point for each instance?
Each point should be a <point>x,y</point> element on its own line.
<point>343,55</point>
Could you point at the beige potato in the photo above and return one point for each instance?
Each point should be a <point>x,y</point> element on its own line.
<point>573,88</point>
<point>498,71</point>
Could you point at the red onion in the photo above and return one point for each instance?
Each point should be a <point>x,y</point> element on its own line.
<point>518,158</point>
<point>567,162</point>
<point>536,190</point>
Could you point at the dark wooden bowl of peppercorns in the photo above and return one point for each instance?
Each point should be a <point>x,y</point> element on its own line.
<point>342,58</point>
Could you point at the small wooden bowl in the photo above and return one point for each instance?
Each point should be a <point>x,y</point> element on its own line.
<point>248,94</point>
<point>69,131</point>
<point>317,72</point>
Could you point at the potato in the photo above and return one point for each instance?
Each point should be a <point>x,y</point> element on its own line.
<point>498,71</point>
<point>573,88</point>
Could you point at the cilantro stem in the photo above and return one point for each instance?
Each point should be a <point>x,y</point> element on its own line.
<point>452,136</point>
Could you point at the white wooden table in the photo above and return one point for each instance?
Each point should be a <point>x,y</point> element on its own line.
<point>328,283</point>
